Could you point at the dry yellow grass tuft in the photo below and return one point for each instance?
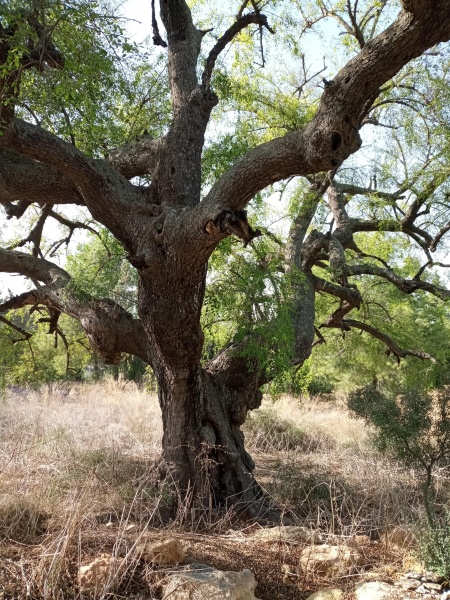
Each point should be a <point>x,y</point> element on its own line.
<point>327,416</point>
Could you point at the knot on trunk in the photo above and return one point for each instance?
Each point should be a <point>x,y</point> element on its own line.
<point>238,379</point>
<point>233,223</point>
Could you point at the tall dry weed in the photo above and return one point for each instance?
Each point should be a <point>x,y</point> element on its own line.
<point>53,440</point>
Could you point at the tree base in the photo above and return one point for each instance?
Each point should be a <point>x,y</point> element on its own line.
<point>206,509</point>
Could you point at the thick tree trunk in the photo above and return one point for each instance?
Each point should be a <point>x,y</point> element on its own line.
<point>202,408</point>
<point>203,446</point>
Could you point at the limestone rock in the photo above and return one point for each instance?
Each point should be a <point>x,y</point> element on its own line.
<point>432,577</point>
<point>328,594</point>
<point>288,533</point>
<point>373,575</point>
<point>407,584</point>
<point>163,552</point>
<point>401,536</point>
<point>376,590</point>
<point>210,584</point>
<point>329,561</point>
<point>435,587</point>
<point>101,571</point>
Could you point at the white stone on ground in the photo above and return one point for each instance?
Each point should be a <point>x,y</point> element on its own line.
<point>329,561</point>
<point>211,584</point>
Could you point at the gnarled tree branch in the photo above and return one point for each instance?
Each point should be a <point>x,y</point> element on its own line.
<point>110,329</point>
<point>27,180</point>
<point>26,335</point>
<point>407,286</point>
<point>350,295</point>
<point>392,346</point>
<point>137,158</point>
<point>39,144</point>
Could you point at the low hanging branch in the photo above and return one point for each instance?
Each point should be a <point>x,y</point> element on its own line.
<point>328,251</point>
<point>110,329</point>
<point>392,347</point>
<point>35,235</point>
<point>407,286</point>
<point>320,339</point>
<point>52,321</point>
<point>337,321</point>
<point>351,295</point>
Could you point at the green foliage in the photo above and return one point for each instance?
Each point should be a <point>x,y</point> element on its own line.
<point>149,380</point>
<point>42,358</point>
<point>133,368</point>
<point>109,91</point>
<point>295,380</point>
<point>99,269</point>
<point>248,294</point>
<point>400,422</point>
<point>320,384</point>
<point>353,359</point>
<point>435,547</point>
<point>414,427</point>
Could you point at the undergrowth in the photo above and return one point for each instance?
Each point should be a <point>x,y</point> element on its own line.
<point>77,478</point>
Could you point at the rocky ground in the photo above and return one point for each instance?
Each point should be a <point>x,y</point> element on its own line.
<point>284,563</point>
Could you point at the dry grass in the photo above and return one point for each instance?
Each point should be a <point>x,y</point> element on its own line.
<point>76,480</point>
<point>333,479</point>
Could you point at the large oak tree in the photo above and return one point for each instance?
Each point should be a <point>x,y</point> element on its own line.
<point>148,193</point>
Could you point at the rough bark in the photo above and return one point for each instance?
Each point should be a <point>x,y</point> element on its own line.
<point>299,262</point>
<point>203,445</point>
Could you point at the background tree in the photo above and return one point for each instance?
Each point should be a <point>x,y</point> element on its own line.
<point>69,115</point>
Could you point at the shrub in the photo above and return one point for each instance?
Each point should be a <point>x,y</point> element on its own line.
<point>320,384</point>
<point>435,547</point>
<point>413,426</point>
